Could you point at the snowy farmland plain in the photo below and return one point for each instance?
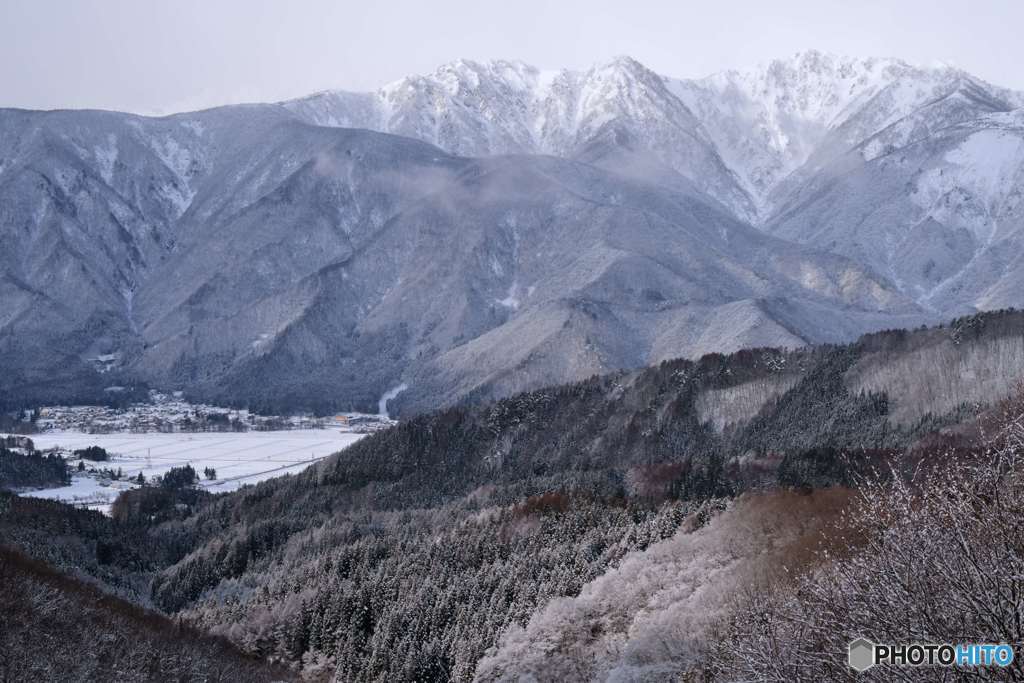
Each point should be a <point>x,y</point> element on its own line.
<point>239,458</point>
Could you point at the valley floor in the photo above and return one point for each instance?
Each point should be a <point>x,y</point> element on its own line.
<point>238,458</point>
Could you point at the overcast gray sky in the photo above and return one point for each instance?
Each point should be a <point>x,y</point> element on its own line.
<point>174,55</point>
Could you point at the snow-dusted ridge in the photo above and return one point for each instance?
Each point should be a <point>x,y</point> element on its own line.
<point>763,124</point>
<point>780,145</point>
<point>501,106</point>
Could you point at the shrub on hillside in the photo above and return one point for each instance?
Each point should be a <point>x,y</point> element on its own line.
<point>179,477</point>
<point>94,453</point>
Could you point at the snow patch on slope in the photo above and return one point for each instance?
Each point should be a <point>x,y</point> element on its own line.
<point>512,299</point>
<point>182,162</point>
<point>969,191</point>
<point>989,159</point>
<point>105,157</point>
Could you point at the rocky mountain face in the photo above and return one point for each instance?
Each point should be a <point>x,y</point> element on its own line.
<point>777,124</point>
<point>519,228</point>
<point>502,107</point>
<point>940,215</point>
<point>913,171</point>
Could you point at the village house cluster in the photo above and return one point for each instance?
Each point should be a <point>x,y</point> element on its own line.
<point>171,413</point>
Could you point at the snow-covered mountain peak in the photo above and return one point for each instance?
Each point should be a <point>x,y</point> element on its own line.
<point>524,82</point>
<point>623,65</point>
<point>813,86</point>
<point>465,75</point>
<point>769,121</point>
<point>621,78</point>
<point>740,134</point>
<point>825,90</point>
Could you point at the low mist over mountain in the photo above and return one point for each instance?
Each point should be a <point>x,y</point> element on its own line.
<point>490,228</point>
<point>869,158</point>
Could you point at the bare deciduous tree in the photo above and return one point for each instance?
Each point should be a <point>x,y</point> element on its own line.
<point>940,559</point>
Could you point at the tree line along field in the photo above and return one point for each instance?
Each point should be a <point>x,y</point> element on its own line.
<point>598,529</point>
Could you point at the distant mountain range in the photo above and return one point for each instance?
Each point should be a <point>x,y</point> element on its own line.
<point>492,227</point>
<point>913,171</point>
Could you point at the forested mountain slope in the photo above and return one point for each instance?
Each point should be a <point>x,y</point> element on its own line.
<point>409,554</point>
<point>56,628</point>
<point>423,552</point>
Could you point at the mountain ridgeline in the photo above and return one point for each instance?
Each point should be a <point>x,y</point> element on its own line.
<point>540,532</point>
<point>492,228</point>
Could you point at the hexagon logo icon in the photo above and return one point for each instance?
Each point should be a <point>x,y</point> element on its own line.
<point>862,654</point>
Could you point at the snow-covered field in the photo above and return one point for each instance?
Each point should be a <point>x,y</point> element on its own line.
<point>239,458</point>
